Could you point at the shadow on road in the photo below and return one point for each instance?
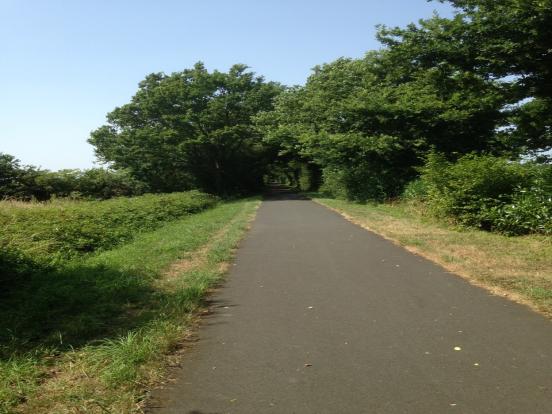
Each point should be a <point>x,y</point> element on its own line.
<point>277,192</point>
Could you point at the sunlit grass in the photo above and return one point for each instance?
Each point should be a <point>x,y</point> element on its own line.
<point>94,335</point>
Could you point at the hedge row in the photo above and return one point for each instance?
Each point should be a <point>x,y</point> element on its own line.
<point>46,233</point>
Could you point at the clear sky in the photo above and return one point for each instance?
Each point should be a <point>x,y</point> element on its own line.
<point>67,63</point>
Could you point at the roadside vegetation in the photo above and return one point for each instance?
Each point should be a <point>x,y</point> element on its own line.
<point>91,334</point>
<point>487,193</point>
<point>37,234</point>
<point>440,140</point>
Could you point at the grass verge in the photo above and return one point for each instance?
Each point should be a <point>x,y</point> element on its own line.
<point>516,267</point>
<point>37,234</point>
<point>97,335</point>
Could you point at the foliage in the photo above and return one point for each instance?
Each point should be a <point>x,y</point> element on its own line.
<point>309,177</point>
<point>17,181</point>
<point>26,182</point>
<point>465,188</point>
<point>531,129</point>
<point>489,192</point>
<point>503,40</point>
<point>296,174</point>
<point>529,210</point>
<point>9,174</point>
<point>512,37</point>
<point>191,129</point>
<point>478,82</point>
<point>415,190</point>
<point>90,334</point>
<point>43,234</point>
<point>95,183</point>
<point>372,126</point>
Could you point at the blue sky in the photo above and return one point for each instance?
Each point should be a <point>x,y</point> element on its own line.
<point>67,63</point>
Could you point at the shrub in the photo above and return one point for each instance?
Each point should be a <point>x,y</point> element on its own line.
<point>309,177</point>
<point>26,182</point>
<point>95,183</point>
<point>333,183</point>
<point>490,193</point>
<point>415,190</point>
<point>17,181</point>
<point>65,229</point>
<point>529,211</point>
<point>353,183</point>
<point>474,183</point>
<point>361,167</point>
<point>103,184</point>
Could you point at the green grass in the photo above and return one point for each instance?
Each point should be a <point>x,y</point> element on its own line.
<point>40,234</point>
<point>91,335</point>
<point>518,267</point>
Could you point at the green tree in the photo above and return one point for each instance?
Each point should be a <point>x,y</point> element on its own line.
<point>191,129</point>
<point>370,122</point>
<point>505,41</point>
<point>19,181</point>
<point>512,37</point>
<point>10,172</point>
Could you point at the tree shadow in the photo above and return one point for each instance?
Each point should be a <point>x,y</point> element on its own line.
<point>283,192</point>
<point>68,306</point>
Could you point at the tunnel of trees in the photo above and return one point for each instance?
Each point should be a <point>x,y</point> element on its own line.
<point>479,82</point>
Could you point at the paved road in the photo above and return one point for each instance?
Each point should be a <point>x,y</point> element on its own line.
<point>321,316</point>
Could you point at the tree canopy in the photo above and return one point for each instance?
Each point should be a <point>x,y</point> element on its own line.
<point>191,129</point>
<point>477,82</point>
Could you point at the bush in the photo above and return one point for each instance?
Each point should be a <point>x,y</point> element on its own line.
<point>361,168</point>
<point>333,183</point>
<point>530,211</point>
<point>17,181</point>
<point>474,183</point>
<point>415,190</point>
<point>95,183</point>
<point>60,230</point>
<point>49,184</point>
<point>490,193</point>
<point>354,183</point>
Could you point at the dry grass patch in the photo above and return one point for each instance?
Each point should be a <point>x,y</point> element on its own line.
<point>194,259</point>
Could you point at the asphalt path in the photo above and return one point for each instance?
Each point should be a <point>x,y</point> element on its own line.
<point>318,315</point>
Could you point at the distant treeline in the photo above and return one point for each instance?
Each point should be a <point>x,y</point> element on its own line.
<point>23,182</point>
<point>476,85</point>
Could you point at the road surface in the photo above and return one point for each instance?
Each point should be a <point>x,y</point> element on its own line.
<point>320,316</point>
